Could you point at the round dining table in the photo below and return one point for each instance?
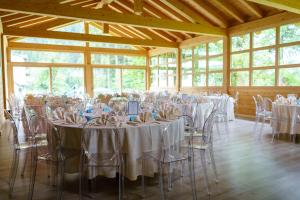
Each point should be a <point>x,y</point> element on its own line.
<point>135,141</point>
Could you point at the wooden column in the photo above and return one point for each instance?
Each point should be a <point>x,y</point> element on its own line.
<point>148,72</point>
<point>2,66</point>
<point>226,54</point>
<point>178,79</point>
<point>88,72</point>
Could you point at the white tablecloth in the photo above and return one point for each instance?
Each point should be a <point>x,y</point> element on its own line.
<point>285,118</point>
<point>230,104</point>
<point>202,112</point>
<point>135,140</point>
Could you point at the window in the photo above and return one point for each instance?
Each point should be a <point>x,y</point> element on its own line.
<point>72,28</point>
<point>241,42</point>
<point>202,65</point>
<point>265,69</point>
<point>264,58</point>
<point>239,78</point>
<point>289,76</point>
<point>264,38</point>
<point>264,77</point>
<point>31,80</point>
<point>106,59</point>
<point>51,41</point>
<point>46,57</point>
<point>133,80</point>
<point>67,81</point>
<point>163,71</point>
<point>289,55</point>
<point>240,60</point>
<point>290,33</point>
<point>106,80</point>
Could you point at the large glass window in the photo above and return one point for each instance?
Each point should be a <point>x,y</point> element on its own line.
<point>163,71</point>
<point>106,80</point>
<point>133,80</point>
<point>264,38</point>
<point>31,80</point>
<point>266,70</point>
<point>67,81</point>
<point>203,65</point>
<point>290,33</point>
<point>106,59</point>
<point>46,57</point>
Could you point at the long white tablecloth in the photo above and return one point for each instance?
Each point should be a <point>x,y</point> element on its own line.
<point>229,104</point>
<point>285,118</point>
<point>135,140</point>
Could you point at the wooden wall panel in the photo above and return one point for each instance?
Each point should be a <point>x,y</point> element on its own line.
<point>246,106</point>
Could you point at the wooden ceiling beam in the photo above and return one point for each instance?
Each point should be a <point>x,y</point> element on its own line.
<point>53,9</point>
<point>22,20</point>
<point>16,16</point>
<point>23,32</point>
<point>288,5</point>
<point>208,11</point>
<point>64,48</point>
<point>184,10</point>
<point>229,9</point>
<point>124,7</point>
<point>256,11</point>
<point>36,21</point>
<point>178,36</point>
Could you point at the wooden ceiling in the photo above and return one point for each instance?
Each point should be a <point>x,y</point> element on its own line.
<point>155,20</point>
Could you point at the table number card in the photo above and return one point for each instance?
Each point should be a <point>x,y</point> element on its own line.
<point>133,108</point>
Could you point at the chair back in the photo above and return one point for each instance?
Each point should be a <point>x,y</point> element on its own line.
<point>15,131</point>
<point>258,105</point>
<point>207,131</point>
<point>267,106</point>
<point>109,144</point>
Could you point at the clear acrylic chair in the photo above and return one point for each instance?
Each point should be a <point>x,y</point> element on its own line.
<point>168,154</point>
<point>266,114</point>
<point>259,111</point>
<point>206,144</point>
<point>105,158</point>
<point>222,114</point>
<point>19,147</point>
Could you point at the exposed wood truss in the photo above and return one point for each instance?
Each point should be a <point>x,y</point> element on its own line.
<point>84,37</point>
<point>48,8</point>
<point>288,5</point>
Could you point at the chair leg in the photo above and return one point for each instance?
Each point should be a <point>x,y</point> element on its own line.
<point>24,164</point>
<point>262,127</point>
<point>203,162</point>
<point>226,125</point>
<point>218,128</point>
<point>120,182</point>
<point>33,172</point>
<point>143,177</point>
<point>13,171</point>
<point>192,177</point>
<point>170,176</point>
<point>61,170</point>
<point>161,180</point>
<point>256,123</point>
<point>212,157</point>
<point>81,172</point>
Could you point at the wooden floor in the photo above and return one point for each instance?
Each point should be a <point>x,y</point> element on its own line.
<point>249,169</point>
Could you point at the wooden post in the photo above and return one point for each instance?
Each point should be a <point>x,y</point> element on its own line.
<point>2,65</point>
<point>178,79</point>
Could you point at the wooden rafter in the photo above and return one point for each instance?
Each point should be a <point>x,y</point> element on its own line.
<point>208,11</point>
<point>14,17</point>
<point>256,11</point>
<point>288,5</point>
<point>229,9</point>
<point>23,32</point>
<point>185,10</point>
<point>48,8</point>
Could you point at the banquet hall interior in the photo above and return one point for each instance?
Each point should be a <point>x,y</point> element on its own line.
<point>150,99</point>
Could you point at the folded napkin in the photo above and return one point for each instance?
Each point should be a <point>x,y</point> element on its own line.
<point>58,113</point>
<point>146,116</point>
<point>74,118</point>
<point>170,113</point>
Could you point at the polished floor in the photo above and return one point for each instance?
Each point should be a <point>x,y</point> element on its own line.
<point>249,169</point>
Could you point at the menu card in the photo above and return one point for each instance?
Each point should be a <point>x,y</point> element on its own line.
<point>133,108</point>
